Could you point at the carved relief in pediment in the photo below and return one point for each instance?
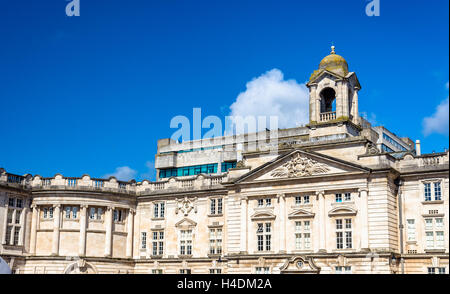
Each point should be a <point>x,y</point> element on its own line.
<point>300,166</point>
<point>185,205</point>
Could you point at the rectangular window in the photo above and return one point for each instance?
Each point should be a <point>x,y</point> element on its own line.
<point>298,200</point>
<point>185,271</point>
<point>157,271</point>
<point>338,197</point>
<point>216,206</point>
<point>161,243</point>
<point>343,270</point>
<point>162,209</point>
<point>262,270</point>
<point>92,213</point>
<point>118,215</point>
<point>158,210</point>
<point>344,234</point>
<point>260,202</point>
<point>264,236</point>
<point>11,202</point>
<point>434,233</point>
<point>17,216</point>
<point>437,191</point>
<point>268,202</point>
<point>10,216</point>
<point>215,241</point>
<point>74,212</point>
<point>436,270</point>
<point>68,209</point>
<point>213,206</point>
<point>347,197</point>
<point>8,235</point>
<point>306,199</point>
<point>219,206</point>
<point>302,235</point>
<point>186,242</point>
<point>143,240</point>
<point>16,236</point>
<point>427,191</point>
<point>411,230</point>
<point>19,203</point>
<point>158,243</point>
<point>45,212</point>
<point>50,212</point>
<point>99,213</point>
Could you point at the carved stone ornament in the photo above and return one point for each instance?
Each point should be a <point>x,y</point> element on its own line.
<point>299,166</point>
<point>185,206</point>
<point>371,149</point>
<point>80,267</point>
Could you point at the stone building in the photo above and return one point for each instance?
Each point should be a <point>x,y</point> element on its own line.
<point>336,196</point>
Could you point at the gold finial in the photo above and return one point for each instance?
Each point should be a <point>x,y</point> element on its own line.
<point>332,49</point>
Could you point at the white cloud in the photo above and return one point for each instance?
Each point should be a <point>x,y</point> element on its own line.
<point>271,95</point>
<point>438,122</point>
<point>123,173</point>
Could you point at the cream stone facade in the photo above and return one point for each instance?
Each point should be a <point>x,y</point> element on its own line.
<point>338,196</point>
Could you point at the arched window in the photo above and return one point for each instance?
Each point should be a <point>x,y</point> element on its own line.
<point>328,100</point>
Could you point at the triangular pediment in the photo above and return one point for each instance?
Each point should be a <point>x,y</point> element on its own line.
<point>301,164</point>
<point>301,213</point>
<point>320,74</point>
<point>185,223</point>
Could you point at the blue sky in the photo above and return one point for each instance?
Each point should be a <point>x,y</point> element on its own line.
<point>93,93</point>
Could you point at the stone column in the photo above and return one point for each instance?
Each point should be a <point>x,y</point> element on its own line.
<point>282,221</point>
<point>56,225</point>
<point>108,235</point>
<point>322,221</point>
<point>312,104</point>
<point>363,194</point>
<point>130,223</point>
<point>34,221</point>
<point>356,111</point>
<point>83,227</point>
<point>244,205</point>
<point>5,222</point>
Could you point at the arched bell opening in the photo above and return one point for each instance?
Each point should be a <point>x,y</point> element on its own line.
<point>327,104</point>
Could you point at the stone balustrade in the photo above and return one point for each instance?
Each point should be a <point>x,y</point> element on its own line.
<point>327,116</point>
<point>433,159</point>
<point>86,183</point>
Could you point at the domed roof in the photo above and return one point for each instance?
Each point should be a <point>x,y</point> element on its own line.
<point>334,63</point>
